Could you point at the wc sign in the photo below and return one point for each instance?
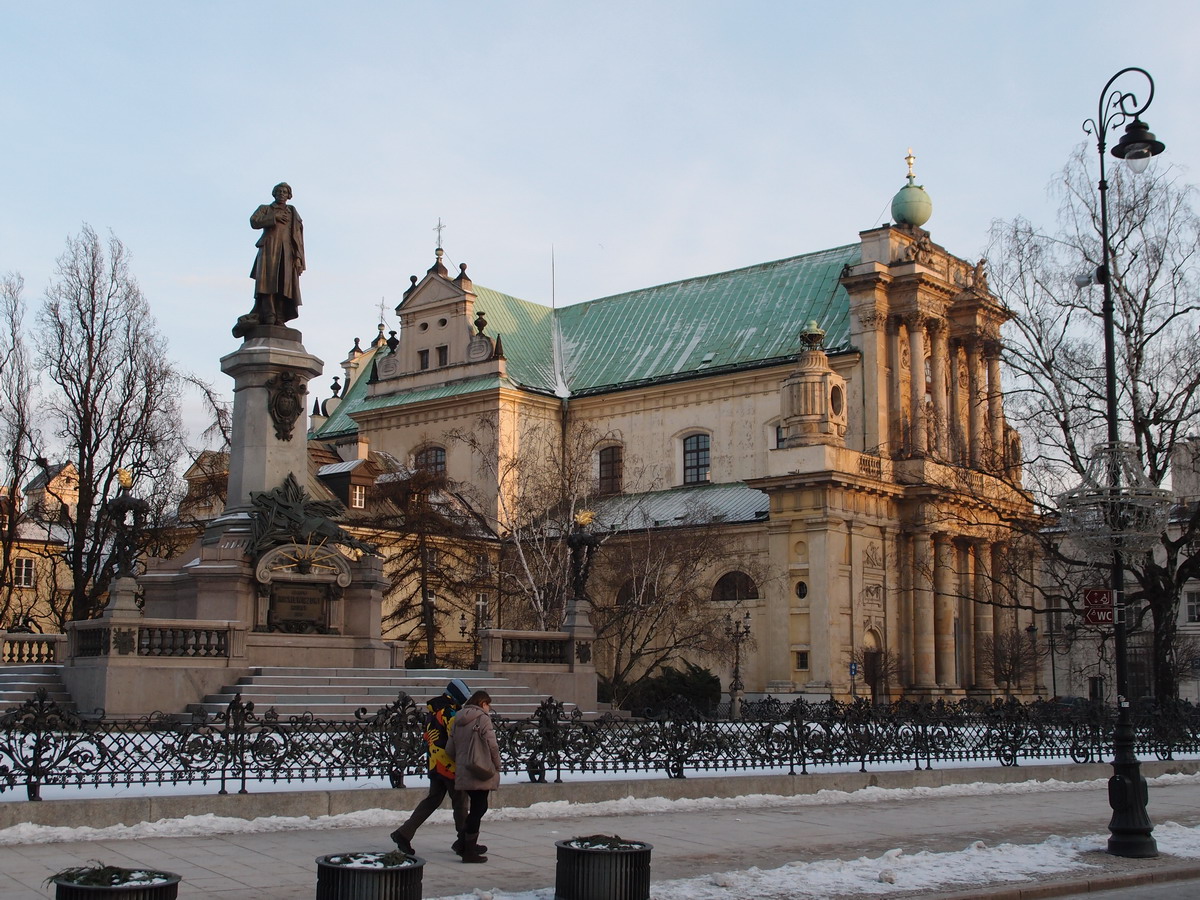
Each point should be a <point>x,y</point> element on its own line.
<point>1099,606</point>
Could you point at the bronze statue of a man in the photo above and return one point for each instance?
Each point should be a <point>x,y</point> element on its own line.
<point>277,267</point>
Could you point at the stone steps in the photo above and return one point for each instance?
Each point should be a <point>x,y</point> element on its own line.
<point>19,683</point>
<point>339,693</point>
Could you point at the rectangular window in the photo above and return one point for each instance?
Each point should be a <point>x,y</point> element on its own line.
<point>423,359</point>
<point>695,459</point>
<point>1193,607</point>
<point>778,436</point>
<point>443,356</point>
<point>358,496</point>
<point>481,610</point>
<point>801,660</point>
<point>23,572</point>
<point>611,465</point>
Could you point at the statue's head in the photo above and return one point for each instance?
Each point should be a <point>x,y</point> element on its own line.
<point>282,191</point>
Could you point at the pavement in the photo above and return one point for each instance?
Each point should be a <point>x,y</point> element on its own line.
<point>279,865</point>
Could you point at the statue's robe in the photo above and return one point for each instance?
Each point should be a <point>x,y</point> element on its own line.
<point>280,260</point>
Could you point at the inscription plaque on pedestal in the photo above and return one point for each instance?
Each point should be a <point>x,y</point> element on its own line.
<point>300,587</point>
<point>298,608</point>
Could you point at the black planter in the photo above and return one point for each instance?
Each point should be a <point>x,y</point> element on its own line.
<point>601,873</point>
<point>348,883</point>
<point>168,890</point>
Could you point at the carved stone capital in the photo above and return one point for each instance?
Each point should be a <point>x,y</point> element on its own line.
<point>871,318</point>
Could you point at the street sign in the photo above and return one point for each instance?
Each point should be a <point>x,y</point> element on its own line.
<point>1097,616</point>
<point>1097,598</point>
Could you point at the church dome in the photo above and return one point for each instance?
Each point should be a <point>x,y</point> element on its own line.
<point>911,205</point>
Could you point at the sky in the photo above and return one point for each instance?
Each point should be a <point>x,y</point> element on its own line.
<point>894,872</point>
<point>572,150</point>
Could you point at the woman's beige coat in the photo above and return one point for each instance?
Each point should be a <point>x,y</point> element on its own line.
<point>465,722</point>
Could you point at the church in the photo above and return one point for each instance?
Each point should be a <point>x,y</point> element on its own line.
<point>838,415</point>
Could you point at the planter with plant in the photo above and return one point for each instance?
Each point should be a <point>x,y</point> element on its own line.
<point>369,875</point>
<point>602,867</point>
<point>97,880</point>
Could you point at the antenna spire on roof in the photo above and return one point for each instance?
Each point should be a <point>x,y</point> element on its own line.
<point>910,159</point>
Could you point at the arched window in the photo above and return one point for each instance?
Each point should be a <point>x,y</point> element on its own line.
<point>432,460</point>
<point>695,459</point>
<point>734,587</point>
<point>612,469</point>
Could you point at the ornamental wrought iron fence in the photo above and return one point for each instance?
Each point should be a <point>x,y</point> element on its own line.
<point>43,744</point>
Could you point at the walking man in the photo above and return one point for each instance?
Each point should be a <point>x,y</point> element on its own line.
<point>442,710</point>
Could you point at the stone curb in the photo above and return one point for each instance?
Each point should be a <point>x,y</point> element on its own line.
<point>100,813</point>
<point>1105,882</point>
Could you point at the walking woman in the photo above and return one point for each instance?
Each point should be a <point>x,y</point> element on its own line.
<point>476,756</point>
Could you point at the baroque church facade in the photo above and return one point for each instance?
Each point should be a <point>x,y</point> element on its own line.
<point>839,413</point>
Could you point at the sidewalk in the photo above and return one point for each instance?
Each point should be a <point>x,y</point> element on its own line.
<point>279,865</point>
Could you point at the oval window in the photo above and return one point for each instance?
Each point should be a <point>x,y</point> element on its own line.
<point>835,400</point>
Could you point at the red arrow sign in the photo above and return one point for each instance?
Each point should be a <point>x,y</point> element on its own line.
<point>1098,617</point>
<point>1098,598</point>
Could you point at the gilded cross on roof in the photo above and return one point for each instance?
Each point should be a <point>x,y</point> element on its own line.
<point>910,159</point>
<point>438,228</point>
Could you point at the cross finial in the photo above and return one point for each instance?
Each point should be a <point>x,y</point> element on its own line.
<point>438,228</point>
<point>910,159</point>
<point>382,308</point>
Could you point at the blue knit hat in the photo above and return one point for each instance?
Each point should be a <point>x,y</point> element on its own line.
<point>458,691</point>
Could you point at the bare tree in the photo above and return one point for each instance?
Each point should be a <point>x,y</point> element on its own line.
<point>113,404</point>
<point>1055,363</point>
<point>437,545</point>
<point>538,492</point>
<point>878,670</point>
<point>1012,656</point>
<point>18,443</point>
<point>651,599</point>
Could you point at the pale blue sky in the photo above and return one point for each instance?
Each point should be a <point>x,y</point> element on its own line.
<point>646,141</point>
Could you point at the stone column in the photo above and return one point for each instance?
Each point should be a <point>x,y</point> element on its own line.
<point>916,377</point>
<point>944,603</point>
<point>939,441</point>
<point>954,428</point>
<point>1003,615</point>
<point>975,399</point>
<point>924,664</point>
<point>995,403</point>
<point>869,337</point>
<point>895,438</point>
<point>982,552</point>
<point>270,423</point>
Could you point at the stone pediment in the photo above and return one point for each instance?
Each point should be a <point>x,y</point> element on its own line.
<point>433,291</point>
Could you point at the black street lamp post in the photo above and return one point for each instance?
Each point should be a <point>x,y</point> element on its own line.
<point>1116,509</point>
<point>1070,630</point>
<point>737,632</point>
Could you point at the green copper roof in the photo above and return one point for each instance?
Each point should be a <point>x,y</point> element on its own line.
<point>524,331</point>
<point>740,319</point>
<point>735,319</point>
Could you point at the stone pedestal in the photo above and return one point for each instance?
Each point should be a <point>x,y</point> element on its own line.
<point>270,373</point>
<point>205,622</point>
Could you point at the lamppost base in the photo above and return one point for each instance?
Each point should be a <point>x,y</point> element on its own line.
<point>1130,830</point>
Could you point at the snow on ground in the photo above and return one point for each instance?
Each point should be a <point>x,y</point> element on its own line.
<point>893,872</point>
